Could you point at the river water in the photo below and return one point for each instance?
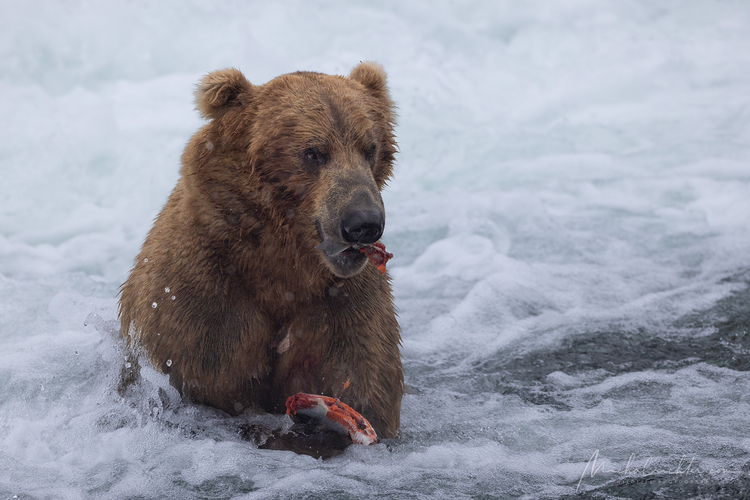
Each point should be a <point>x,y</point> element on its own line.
<point>570,218</point>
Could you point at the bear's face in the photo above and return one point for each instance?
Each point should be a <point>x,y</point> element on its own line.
<point>312,150</point>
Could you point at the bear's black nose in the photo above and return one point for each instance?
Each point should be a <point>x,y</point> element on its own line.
<point>362,227</point>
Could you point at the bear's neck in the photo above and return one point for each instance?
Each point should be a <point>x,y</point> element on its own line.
<point>280,273</point>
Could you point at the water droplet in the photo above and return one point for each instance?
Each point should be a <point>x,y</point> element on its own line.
<point>173,297</point>
<point>153,305</point>
<point>169,362</point>
<point>167,290</point>
<point>128,365</point>
<point>145,260</point>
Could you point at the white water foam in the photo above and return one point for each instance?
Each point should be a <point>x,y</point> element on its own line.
<point>570,217</point>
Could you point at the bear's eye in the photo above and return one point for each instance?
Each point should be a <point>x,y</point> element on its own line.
<point>370,152</point>
<point>313,156</point>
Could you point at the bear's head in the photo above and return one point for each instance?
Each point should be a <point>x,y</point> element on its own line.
<point>305,153</point>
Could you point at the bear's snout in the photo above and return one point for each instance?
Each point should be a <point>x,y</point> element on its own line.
<point>347,225</point>
<point>362,227</point>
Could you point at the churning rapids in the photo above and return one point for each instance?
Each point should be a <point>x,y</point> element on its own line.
<point>570,219</point>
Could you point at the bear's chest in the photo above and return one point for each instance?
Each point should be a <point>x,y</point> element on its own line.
<point>307,361</point>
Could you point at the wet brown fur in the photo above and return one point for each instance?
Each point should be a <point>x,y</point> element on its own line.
<point>253,313</point>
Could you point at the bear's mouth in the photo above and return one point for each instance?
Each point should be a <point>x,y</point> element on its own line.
<point>350,257</point>
<point>343,259</point>
<point>336,249</point>
<point>331,247</point>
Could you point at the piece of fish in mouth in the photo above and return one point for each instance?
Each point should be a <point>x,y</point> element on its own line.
<point>377,255</point>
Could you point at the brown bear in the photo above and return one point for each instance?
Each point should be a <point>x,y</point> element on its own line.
<point>250,287</point>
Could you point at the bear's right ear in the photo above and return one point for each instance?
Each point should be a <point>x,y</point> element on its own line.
<point>221,90</point>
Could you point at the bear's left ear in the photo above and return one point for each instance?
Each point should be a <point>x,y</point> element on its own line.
<point>372,76</point>
<point>220,91</point>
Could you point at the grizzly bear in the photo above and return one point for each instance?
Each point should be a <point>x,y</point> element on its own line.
<point>251,286</point>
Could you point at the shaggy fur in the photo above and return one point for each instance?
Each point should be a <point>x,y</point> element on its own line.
<point>229,294</point>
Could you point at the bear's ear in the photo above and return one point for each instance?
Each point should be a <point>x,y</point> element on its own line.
<point>372,76</point>
<point>221,90</point>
